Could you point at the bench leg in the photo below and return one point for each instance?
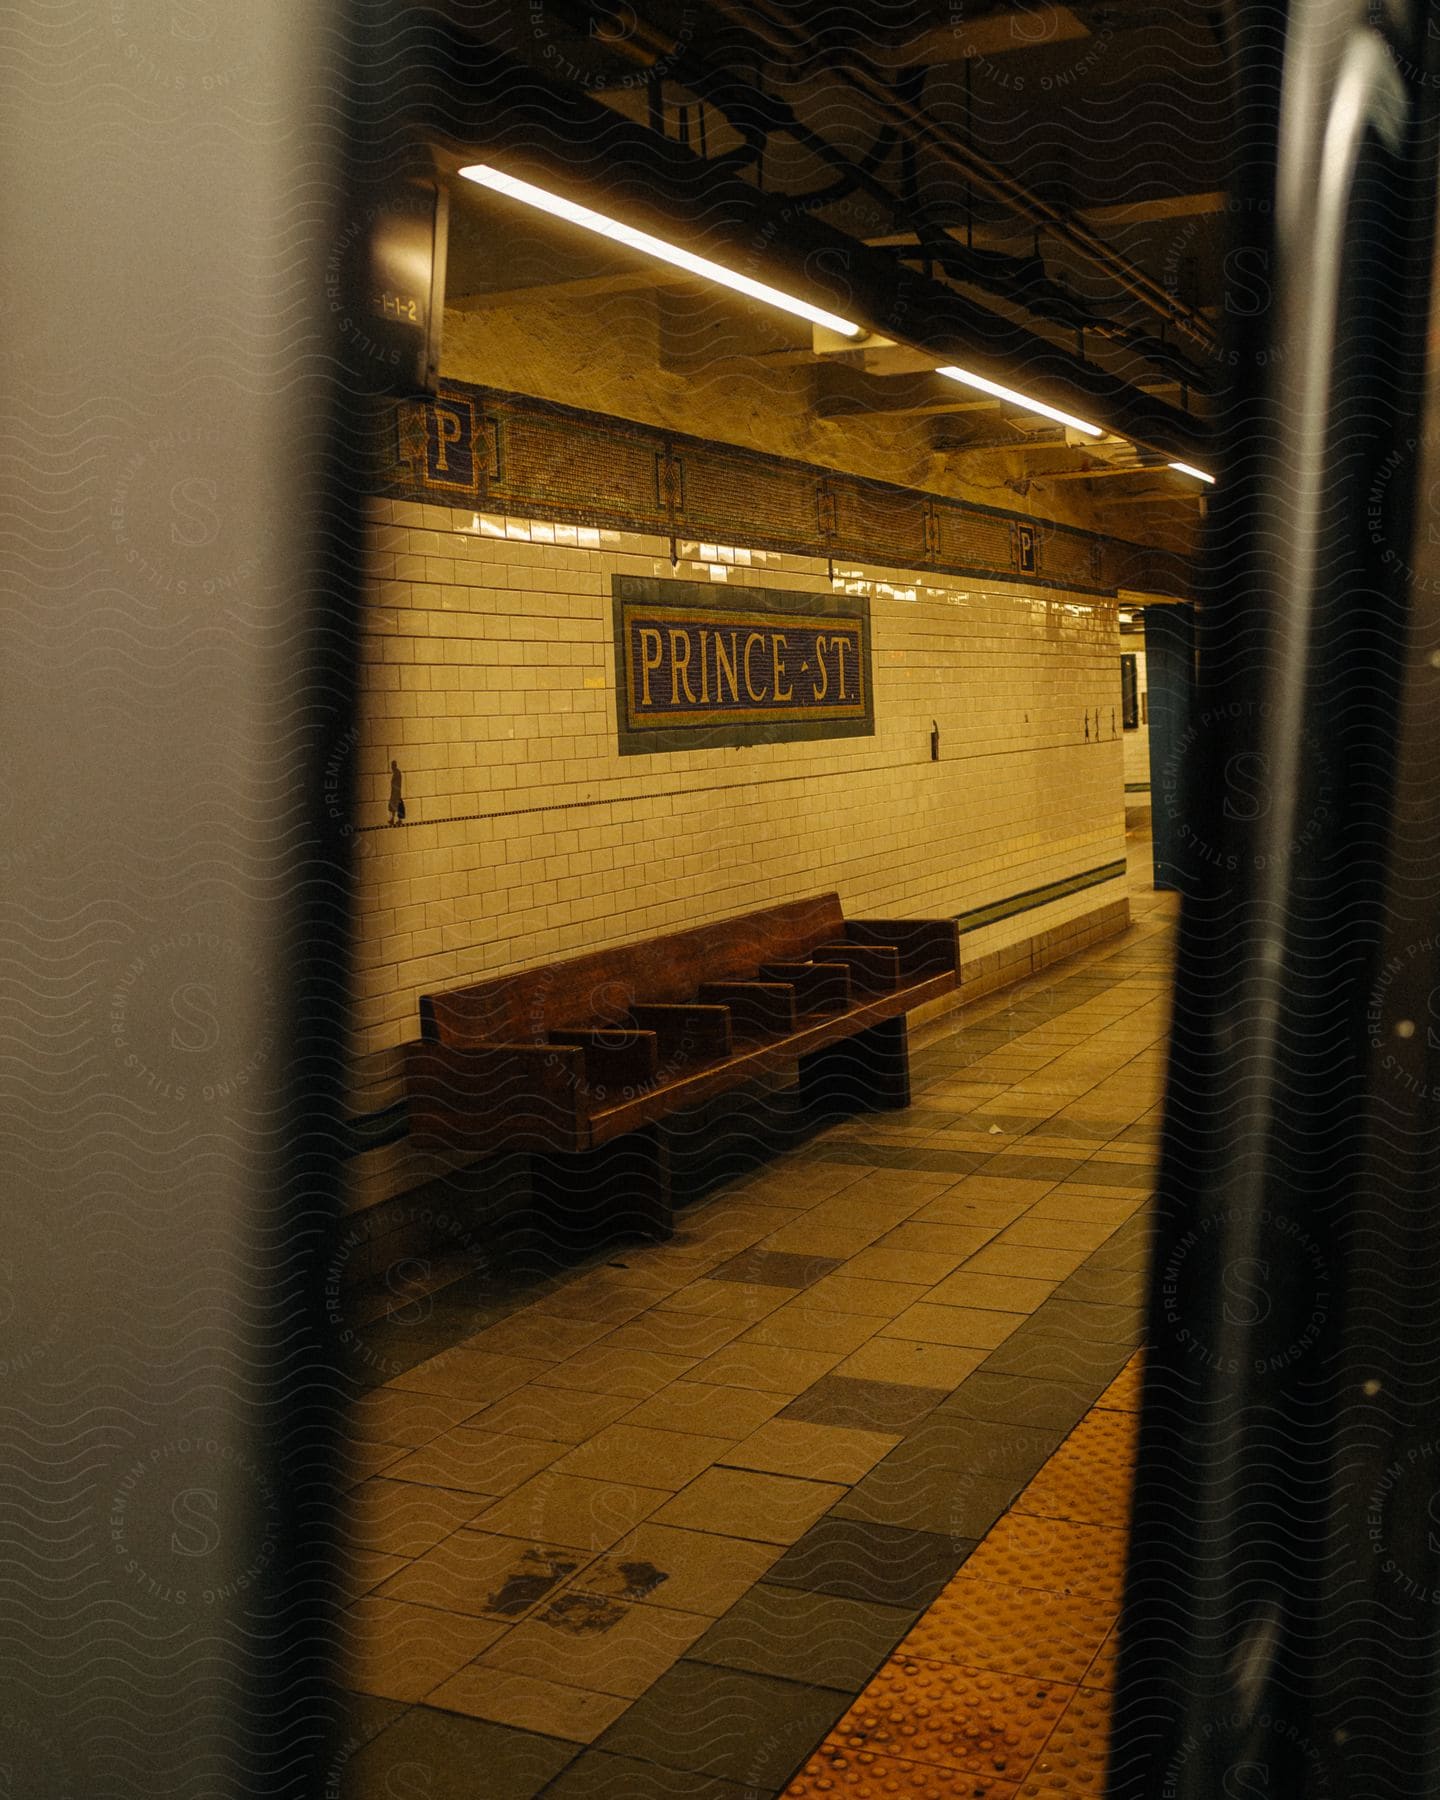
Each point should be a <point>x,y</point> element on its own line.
<point>729,1136</point>
<point>867,1073</point>
<point>619,1193</point>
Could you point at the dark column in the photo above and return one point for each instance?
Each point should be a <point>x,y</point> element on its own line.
<point>1170,669</point>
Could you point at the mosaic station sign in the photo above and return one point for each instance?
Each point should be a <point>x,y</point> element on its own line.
<point>753,666</point>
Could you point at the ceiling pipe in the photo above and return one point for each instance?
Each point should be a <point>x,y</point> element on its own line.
<point>786,38</point>
<point>476,102</point>
<point>645,46</point>
<point>641,43</point>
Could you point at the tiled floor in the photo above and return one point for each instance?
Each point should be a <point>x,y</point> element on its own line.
<point>1002,1689</point>
<point>650,1529</point>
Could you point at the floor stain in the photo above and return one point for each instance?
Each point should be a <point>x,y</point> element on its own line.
<point>530,1583</point>
<point>582,1614</point>
<point>640,1578</point>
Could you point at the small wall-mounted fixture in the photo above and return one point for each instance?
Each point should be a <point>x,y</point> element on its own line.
<point>934,740</point>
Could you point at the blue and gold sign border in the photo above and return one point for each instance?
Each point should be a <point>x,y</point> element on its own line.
<point>699,602</point>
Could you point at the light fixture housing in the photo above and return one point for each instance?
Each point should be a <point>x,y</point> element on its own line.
<point>557,206</point>
<point>997,392</point>
<point>1190,469</point>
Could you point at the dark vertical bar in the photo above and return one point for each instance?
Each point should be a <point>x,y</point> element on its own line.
<point>1256,1632</point>
<point>178,540</point>
<point>1379,1663</point>
<point>1170,672</point>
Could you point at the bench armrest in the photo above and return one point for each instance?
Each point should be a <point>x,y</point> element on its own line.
<point>687,1033</point>
<point>819,986</point>
<point>615,1057</point>
<point>501,1097</point>
<point>927,946</point>
<point>767,1007</point>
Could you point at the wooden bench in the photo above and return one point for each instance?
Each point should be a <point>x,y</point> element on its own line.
<point>580,1062</point>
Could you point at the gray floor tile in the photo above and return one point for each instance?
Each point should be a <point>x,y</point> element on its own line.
<point>747,1728</point>
<point>887,1156</point>
<point>1105,1287</point>
<point>1121,1261</point>
<point>1112,1321</point>
<point>596,1775</point>
<point>1032,1168</point>
<point>951,1502</point>
<point>890,1565</point>
<point>800,1635</point>
<point>978,1446</point>
<point>1021,1399</point>
<point>1096,1173</point>
<point>1124,1250</point>
<point>1061,1359</point>
<point>446,1757</point>
<point>889,1406</point>
<point>775,1268</point>
<point>1074,1130</point>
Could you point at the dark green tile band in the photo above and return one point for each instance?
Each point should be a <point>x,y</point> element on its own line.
<point>1041,896</point>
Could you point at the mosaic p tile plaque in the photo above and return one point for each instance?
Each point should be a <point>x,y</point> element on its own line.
<point>696,669</point>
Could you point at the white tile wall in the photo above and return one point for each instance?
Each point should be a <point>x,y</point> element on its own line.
<point>489,677</point>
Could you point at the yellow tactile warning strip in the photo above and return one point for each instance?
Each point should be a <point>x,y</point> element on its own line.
<point>1002,1690</point>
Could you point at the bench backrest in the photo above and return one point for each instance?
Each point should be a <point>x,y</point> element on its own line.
<point>601,988</point>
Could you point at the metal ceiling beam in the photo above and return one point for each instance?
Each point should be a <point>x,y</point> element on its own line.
<point>478,103</point>
<point>638,41</point>
<point>786,38</point>
<point>989,35</point>
<point>993,35</point>
<point>1198,203</point>
<point>642,44</point>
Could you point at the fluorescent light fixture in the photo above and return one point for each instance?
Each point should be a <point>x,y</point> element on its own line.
<point>1190,469</point>
<point>994,389</point>
<point>559,208</point>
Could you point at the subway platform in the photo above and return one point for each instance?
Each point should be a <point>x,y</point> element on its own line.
<point>825,1496</point>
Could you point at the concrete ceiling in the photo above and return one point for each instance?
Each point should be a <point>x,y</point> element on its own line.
<point>1058,169</point>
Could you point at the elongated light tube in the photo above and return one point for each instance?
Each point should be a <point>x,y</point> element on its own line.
<point>573,214</point>
<point>994,389</point>
<point>1190,469</point>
